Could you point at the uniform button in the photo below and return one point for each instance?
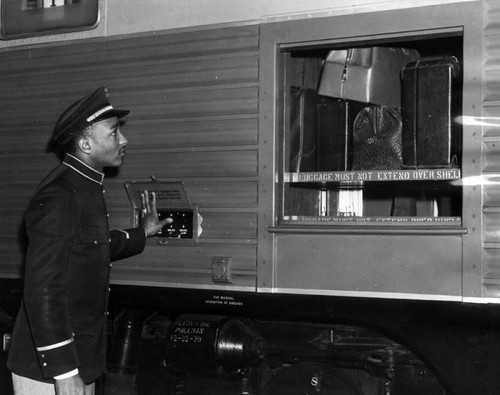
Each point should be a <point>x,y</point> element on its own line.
<point>109,239</point>
<point>107,215</point>
<point>44,364</point>
<point>43,355</point>
<point>106,313</point>
<point>96,242</point>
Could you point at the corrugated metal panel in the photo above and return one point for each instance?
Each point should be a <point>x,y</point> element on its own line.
<point>16,194</point>
<point>185,278</point>
<point>14,197</point>
<point>25,166</point>
<point>203,132</point>
<point>492,85</point>
<point>216,225</point>
<point>228,130</point>
<point>491,195</point>
<point>491,257</point>
<point>491,150</point>
<point>492,45</point>
<point>243,256</point>
<point>148,104</point>
<point>116,50</point>
<point>193,98</point>
<point>492,17</point>
<point>491,156</point>
<point>190,164</point>
<point>154,72</point>
<point>192,265</point>
<point>491,227</point>
<point>11,220</point>
<point>492,119</point>
<point>204,193</point>
<point>19,139</point>
<point>12,269</point>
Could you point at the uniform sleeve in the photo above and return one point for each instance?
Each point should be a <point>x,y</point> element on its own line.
<point>125,243</point>
<point>50,225</point>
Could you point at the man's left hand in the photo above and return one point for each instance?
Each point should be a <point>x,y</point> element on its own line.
<point>149,218</point>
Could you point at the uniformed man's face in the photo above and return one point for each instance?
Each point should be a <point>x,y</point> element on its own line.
<point>107,144</point>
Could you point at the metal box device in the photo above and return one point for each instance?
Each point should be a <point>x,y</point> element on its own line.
<point>171,201</point>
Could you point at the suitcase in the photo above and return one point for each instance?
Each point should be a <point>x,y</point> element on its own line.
<point>430,103</point>
<point>369,75</point>
<point>335,124</point>
<point>303,129</point>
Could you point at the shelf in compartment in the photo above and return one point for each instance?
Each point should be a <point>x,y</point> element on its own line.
<point>293,227</point>
<point>372,221</point>
<point>373,175</point>
<point>371,225</point>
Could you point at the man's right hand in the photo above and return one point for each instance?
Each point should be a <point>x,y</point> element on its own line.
<point>70,386</point>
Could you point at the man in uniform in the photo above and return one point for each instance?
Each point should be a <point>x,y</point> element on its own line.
<point>59,339</point>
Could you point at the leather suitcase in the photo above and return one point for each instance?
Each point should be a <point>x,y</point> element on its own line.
<point>369,75</point>
<point>335,124</point>
<point>430,103</point>
<point>303,129</point>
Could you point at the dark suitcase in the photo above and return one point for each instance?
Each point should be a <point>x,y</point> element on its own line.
<point>303,129</point>
<point>430,102</point>
<point>335,125</point>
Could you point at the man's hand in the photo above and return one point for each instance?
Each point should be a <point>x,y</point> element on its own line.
<point>70,386</point>
<point>149,219</point>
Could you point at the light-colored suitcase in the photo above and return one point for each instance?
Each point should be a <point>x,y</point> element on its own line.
<point>370,75</point>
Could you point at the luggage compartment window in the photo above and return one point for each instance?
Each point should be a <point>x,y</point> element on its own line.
<point>371,132</point>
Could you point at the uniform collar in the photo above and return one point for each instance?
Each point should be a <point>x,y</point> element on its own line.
<point>84,169</point>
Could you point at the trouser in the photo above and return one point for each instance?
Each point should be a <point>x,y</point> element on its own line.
<point>26,386</point>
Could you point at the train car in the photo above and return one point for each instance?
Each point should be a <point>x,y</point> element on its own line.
<point>333,176</point>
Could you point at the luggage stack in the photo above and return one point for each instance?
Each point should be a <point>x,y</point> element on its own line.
<point>379,108</point>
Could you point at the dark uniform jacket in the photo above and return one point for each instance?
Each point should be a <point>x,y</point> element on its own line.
<point>63,318</point>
